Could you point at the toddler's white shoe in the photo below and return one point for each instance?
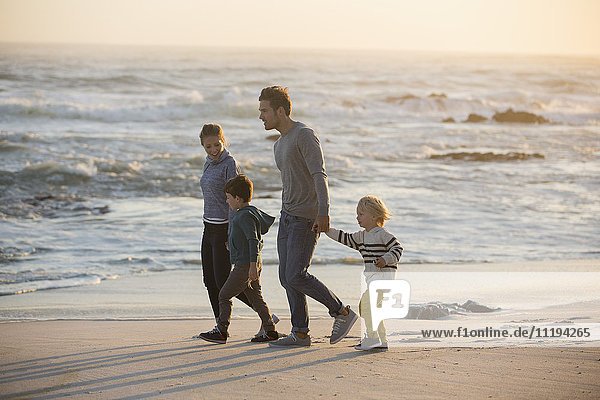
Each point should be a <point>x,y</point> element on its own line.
<point>368,344</point>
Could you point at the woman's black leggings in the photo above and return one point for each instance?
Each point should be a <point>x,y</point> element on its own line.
<point>216,265</point>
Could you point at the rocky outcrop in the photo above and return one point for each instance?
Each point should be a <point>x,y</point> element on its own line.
<point>521,117</point>
<point>475,118</point>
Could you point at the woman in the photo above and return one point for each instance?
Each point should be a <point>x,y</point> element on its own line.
<point>220,166</point>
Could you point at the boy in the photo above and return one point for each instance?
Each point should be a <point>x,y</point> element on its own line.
<point>246,228</point>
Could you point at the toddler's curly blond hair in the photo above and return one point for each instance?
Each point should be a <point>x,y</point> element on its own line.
<point>376,207</point>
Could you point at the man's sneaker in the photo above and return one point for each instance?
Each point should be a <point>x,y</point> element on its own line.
<point>342,325</point>
<point>261,331</point>
<point>267,337</point>
<point>291,340</point>
<point>369,344</point>
<point>214,336</point>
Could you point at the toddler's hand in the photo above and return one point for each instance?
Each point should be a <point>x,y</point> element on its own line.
<point>380,262</point>
<point>321,224</point>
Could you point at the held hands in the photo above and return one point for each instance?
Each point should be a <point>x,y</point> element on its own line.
<point>321,224</point>
<point>380,262</point>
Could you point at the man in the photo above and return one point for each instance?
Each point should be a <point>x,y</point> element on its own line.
<point>304,215</point>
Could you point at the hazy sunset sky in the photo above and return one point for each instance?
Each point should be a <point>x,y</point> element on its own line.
<point>498,26</point>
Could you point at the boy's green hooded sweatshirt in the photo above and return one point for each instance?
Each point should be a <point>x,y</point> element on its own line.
<point>246,228</point>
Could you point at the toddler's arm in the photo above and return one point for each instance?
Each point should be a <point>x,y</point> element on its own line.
<point>394,251</point>
<point>352,240</point>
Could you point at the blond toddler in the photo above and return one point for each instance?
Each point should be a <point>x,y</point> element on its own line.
<point>381,253</point>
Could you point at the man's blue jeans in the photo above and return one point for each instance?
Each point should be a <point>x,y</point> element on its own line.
<point>295,245</point>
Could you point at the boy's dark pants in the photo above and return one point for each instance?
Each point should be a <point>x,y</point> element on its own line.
<point>216,266</point>
<point>239,282</point>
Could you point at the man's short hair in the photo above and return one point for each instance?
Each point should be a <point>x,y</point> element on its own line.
<point>240,186</point>
<point>277,96</point>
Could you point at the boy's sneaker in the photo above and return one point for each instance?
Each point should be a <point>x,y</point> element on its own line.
<point>291,340</point>
<point>369,344</point>
<point>261,331</point>
<point>198,335</point>
<point>266,337</point>
<point>214,336</point>
<point>342,325</point>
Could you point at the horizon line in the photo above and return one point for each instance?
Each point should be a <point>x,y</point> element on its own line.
<point>308,48</point>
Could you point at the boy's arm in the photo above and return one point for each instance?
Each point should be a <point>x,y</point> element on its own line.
<point>352,240</point>
<point>253,273</point>
<point>248,225</point>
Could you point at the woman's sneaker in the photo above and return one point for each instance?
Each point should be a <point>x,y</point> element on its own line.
<point>266,337</point>
<point>214,336</point>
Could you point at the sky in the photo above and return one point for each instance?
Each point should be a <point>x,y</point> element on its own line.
<point>478,26</point>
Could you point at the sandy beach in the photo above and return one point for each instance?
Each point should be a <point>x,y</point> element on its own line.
<point>115,341</point>
<point>144,359</point>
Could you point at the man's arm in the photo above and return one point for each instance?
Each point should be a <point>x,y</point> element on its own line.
<point>311,150</point>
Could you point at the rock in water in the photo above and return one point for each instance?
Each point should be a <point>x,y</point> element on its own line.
<point>522,117</point>
<point>475,118</point>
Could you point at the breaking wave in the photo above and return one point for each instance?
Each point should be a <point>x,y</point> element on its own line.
<point>54,172</point>
<point>32,281</point>
<point>47,206</point>
<point>488,156</point>
<point>177,107</point>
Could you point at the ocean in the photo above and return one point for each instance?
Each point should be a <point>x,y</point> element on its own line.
<point>100,157</point>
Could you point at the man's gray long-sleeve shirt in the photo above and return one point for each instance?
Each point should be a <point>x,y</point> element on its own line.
<point>299,157</point>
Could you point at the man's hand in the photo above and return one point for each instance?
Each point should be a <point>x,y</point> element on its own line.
<point>253,273</point>
<point>321,224</point>
<point>380,262</point>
